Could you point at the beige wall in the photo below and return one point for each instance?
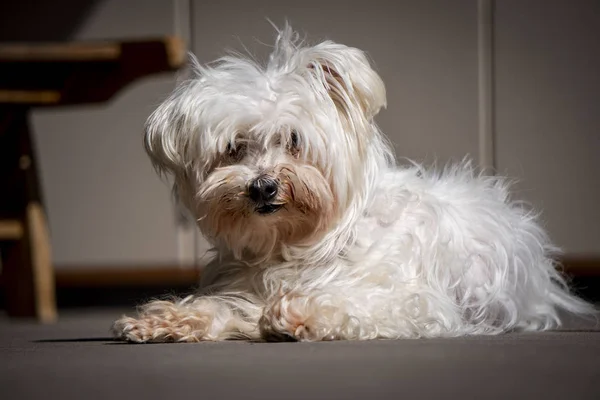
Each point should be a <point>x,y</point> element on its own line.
<point>548,112</point>
<point>105,203</point>
<point>107,206</point>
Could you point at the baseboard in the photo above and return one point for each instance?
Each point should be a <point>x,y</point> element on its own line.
<point>112,276</point>
<point>112,286</point>
<point>175,275</point>
<point>581,266</point>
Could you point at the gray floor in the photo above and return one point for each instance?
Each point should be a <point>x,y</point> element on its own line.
<point>76,359</point>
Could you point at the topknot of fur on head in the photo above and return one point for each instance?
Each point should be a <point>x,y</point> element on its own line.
<point>302,123</point>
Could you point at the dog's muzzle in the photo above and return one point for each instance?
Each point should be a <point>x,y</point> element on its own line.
<point>263,190</point>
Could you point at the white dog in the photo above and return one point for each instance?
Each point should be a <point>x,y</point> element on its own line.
<point>318,234</point>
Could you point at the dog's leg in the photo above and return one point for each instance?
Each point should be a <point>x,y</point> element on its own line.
<point>311,317</point>
<point>191,320</point>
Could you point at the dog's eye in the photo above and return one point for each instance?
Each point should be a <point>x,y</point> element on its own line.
<point>294,143</point>
<point>236,151</point>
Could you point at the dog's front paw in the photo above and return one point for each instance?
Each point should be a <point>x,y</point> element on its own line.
<point>132,330</point>
<point>301,318</point>
<point>163,321</point>
<point>156,330</point>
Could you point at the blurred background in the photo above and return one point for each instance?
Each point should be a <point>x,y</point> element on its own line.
<point>514,84</point>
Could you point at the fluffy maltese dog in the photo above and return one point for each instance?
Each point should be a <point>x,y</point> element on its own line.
<point>318,234</point>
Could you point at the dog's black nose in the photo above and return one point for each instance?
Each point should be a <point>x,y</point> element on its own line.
<point>262,189</point>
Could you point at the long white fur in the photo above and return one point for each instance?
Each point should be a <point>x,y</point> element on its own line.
<point>392,252</point>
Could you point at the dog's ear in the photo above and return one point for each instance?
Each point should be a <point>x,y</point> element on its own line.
<point>344,72</point>
<point>348,77</point>
<point>168,136</point>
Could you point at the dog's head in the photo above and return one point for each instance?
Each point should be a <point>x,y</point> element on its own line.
<point>272,156</point>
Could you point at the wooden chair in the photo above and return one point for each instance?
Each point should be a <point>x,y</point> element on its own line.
<point>52,75</point>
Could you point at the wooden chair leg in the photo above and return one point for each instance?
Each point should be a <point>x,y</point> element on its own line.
<point>27,270</point>
<point>41,263</point>
<point>26,259</point>
<point>17,278</point>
